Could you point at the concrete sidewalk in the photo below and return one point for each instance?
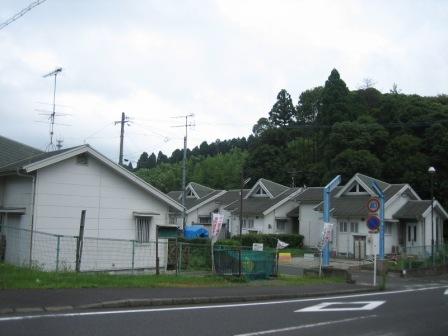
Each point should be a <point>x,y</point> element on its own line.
<point>51,300</point>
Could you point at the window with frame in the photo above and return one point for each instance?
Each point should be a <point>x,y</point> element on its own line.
<point>207,220</point>
<point>248,223</point>
<point>357,189</point>
<point>388,228</point>
<point>281,224</point>
<point>343,226</point>
<point>190,194</point>
<point>354,227</point>
<point>172,219</point>
<point>260,192</point>
<point>143,229</point>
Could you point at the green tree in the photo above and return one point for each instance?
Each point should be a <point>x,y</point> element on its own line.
<point>262,125</point>
<point>283,112</point>
<point>350,162</point>
<point>334,100</point>
<point>309,105</point>
<point>141,163</point>
<point>161,158</point>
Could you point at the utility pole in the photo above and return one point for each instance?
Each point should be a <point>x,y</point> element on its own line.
<point>184,166</point>
<point>124,120</point>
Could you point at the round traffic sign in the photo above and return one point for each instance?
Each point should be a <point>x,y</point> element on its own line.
<point>373,223</point>
<point>373,205</point>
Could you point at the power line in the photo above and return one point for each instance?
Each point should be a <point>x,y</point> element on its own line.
<point>21,13</point>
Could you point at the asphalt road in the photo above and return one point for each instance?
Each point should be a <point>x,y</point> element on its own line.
<point>420,311</point>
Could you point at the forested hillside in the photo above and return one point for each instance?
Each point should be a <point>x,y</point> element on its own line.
<point>329,131</point>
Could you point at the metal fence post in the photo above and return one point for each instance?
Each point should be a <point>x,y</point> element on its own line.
<point>58,248</point>
<point>133,255</point>
<point>180,256</point>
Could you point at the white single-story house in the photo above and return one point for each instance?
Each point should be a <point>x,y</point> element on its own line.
<point>201,202</point>
<point>407,218</point>
<point>267,208</point>
<point>42,195</point>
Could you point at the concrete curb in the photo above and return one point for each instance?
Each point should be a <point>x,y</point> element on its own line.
<point>157,302</point>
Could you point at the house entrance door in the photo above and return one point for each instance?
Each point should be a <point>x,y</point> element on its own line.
<point>411,234</point>
<point>359,246</point>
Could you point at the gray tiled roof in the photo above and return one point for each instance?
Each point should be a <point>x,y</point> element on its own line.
<point>200,189</point>
<point>274,188</point>
<point>392,190</point>
<point>192,202</point>
<point>257,205</point>
<point>20,155</point>
<point>12,151</point>
<point>355,206</point>
<point>230,196</point>
<point>369,180</point>
<point>412,209</point>
<point>311,194</point>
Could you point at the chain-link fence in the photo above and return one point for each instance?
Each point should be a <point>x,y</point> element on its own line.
<point>52,252</point>
<point>419,257</point>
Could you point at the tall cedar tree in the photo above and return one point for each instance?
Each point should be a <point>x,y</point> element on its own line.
<point>283,112</point>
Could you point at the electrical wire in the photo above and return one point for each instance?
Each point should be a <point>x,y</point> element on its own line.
<point>21,13</point>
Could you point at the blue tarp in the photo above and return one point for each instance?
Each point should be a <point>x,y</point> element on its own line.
<point>195,231</point>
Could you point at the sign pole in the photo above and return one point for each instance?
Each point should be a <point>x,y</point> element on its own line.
<point>327,191</point>
<point>381,196</point>
<point>374,268</point>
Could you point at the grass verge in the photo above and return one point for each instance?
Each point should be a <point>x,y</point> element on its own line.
<point>12,277</point>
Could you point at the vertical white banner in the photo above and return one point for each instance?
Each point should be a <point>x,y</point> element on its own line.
<point>217,220</point>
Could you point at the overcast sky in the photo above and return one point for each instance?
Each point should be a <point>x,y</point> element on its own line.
<point>222,60</point>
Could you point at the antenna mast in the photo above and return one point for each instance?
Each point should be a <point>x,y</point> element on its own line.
<point>51,146</point>
<point>184,166</point>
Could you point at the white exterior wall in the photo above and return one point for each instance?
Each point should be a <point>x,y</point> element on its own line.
<point>62,191</point>
<point>281,212</point>
<point>66,188</point>
<point>310,224</point>
<point>17,192</point>
<point>345,240</point>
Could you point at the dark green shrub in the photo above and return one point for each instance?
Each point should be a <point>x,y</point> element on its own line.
<point>270,240</point>
<point>228,242</point>
<point>294,240</point>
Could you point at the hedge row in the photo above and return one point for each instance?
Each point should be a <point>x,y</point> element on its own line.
<point>268,240</point>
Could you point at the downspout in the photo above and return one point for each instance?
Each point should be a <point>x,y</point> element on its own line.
<point>33,199</point>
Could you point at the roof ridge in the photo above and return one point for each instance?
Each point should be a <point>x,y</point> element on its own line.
<point>373,178</point>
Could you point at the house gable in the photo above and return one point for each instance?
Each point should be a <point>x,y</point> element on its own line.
<point>87,150</point>
<point>266,189</point>
<point>361,184</point>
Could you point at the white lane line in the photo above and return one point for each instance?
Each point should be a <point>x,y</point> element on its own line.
<point>304,326</point>
<point>151,310</point>
<point>343,306</point>
<point>446,292</point>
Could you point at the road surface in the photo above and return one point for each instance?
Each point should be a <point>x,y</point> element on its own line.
<point>417,311</point>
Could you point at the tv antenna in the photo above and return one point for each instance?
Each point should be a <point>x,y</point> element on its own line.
<point>51,147</point>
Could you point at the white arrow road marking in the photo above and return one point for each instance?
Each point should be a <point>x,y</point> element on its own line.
<point>305,326</point>
<point>325,306</point>
<point>446,292</point>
